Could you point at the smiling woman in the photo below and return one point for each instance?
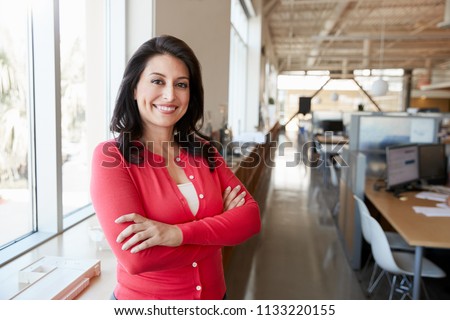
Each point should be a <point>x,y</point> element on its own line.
<point>162,95</point>
<point>165,198</point>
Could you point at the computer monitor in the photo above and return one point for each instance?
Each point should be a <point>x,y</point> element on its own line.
<point>304,105</point>
<point>332,125</point>
<point>432,163</point>
<point>402,165</point>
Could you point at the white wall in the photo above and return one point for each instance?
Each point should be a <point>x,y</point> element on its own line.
<point>139,23</point>
<point>95,74</point>
<point>205,26</point>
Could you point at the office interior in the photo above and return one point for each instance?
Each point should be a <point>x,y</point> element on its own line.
<point>319,91</point>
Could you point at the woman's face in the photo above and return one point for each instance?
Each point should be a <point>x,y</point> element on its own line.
<point>162,93</point>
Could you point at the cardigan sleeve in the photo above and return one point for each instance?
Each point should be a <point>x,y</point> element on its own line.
<point>230,228</point>
<point>113,193</point>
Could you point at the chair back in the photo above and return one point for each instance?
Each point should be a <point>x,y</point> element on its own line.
<point>365,223</point>
<point>380,247</point>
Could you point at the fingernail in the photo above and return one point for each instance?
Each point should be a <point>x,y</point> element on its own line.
<point>238,187</point>
<point>244,193</point>
<point>228,188</point>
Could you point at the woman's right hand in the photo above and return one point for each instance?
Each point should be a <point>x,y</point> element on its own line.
<point>232,198</point>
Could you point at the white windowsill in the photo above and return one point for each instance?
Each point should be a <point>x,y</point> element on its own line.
<point>77,242</point>
<point>14,250</point>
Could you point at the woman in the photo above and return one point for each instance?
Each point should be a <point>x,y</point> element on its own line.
<point>163,195</point>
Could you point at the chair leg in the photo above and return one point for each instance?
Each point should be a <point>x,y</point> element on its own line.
<point>394,281</point>
<point>375,283</point>
<point>372,276</point>
<point>405,287</point>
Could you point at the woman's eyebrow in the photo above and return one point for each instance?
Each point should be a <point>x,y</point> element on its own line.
<point>162,75</point>
<point>156,74</point>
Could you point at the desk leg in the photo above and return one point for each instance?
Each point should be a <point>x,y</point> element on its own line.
<point>417,272</point>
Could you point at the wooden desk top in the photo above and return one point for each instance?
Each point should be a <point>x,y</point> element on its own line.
<point>416,229</point>
<point>331,139</point>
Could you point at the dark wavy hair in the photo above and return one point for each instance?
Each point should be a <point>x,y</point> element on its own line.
<point>126,120</point>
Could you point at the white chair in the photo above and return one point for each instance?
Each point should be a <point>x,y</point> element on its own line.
<point>396,243</point>
<point>397,263</point>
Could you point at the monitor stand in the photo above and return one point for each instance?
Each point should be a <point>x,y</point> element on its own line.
<point>413,186</point>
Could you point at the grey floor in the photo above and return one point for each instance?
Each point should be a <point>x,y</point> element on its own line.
<point>298,254</point>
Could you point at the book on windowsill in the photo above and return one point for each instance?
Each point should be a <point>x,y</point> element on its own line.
<point>56,278</point>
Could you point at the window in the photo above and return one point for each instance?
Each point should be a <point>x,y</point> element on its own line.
<point>237,97</point>
<point>16,209</point>
<point>75,174</point>
<point>48,79</point>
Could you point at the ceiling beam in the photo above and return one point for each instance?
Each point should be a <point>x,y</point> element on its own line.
<point>387,37</point>
<point>327,27</point>
<point>268,7</point>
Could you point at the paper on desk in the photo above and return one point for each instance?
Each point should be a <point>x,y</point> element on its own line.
<point>433,211</point>
<point>432,196</point>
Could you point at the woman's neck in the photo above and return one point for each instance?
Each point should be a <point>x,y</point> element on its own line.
<point>160,141</point>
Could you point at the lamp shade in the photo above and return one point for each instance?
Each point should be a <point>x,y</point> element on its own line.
<point>379,88</point>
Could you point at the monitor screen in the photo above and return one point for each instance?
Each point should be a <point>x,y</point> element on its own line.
<point>402,165</point>
<point>433,163</point>
<point>332,125</point>
<point>304,105</point>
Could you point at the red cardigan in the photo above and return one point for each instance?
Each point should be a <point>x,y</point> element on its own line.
<point>194,269</point>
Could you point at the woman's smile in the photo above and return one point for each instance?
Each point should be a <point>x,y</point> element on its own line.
<point>166,109</point>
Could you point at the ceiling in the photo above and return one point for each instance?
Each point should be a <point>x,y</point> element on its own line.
<point>343,35</point>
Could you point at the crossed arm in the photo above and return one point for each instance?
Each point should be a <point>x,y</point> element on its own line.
<point>141,244</point>
<point>144,233</point>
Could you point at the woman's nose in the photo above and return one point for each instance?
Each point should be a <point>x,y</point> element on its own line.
<point>168,92</point>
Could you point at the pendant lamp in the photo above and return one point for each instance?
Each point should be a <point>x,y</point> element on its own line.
<point>380,87</point>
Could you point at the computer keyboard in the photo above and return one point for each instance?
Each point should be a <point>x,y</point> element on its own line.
<point>438,189</point>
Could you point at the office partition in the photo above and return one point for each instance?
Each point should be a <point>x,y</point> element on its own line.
<point>352,181</point>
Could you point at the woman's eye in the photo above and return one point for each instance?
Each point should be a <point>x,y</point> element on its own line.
<point>182,85</point>
<point>157,81</point>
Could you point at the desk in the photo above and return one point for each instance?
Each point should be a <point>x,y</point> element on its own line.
<point>329,147</point>
<point>331,139</point>
<point>418,230</point>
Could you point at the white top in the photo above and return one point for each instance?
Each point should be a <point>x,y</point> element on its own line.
<point>188,191</point>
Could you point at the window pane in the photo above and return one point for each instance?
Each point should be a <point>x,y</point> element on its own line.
<point>73,105</point>
<point>237,88</point>
<point>16,211</point>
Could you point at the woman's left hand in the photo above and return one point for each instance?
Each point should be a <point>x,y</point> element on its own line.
<point>146,233</point>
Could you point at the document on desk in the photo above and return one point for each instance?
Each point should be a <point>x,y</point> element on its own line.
<point>439,211</point>
<point>432,196</point>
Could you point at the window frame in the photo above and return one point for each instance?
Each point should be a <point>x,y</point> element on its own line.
<point>237,86</point>
<point>44,106</point>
